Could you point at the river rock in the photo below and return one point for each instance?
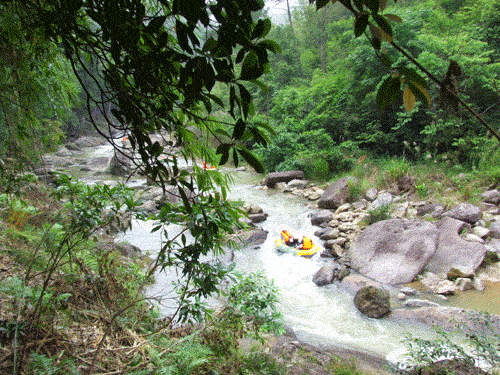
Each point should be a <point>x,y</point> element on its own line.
<point>495,229</point>
<point>337,193</point>
<point>258,218</point>
<point>321,217</point>
<point>329,273</point>
<point>384,199</point>
<point>287,176</point>
<point>416,303</point>
<point>394,251</point>
<point>453,251</point>
<point>465,212</point>
<point>491,196</point>
<point>450,318</point>
<point>373,302</point>
<point>448,366</point>
<point>297,184</point>
<point>329,234</point>
<point>371,194</point>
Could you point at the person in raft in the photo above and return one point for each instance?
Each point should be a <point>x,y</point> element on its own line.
<point>305,244</point>
<point>288,239</point>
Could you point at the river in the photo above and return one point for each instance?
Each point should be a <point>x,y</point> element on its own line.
<point>322,316</point>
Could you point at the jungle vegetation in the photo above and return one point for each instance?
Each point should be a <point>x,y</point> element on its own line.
<point>340,82</point>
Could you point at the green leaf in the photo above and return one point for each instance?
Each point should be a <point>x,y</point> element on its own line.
<point>262,28</point>
<point>388,91</point>
<point>412,75</point>
<point>223,150</point>
<point>372,5</point>
<point>235,158</point>
<point>251,160</point>
<point>270,45</point>
<point>384,25</point>
<point>239,129</point>
<point>250,68</point>
<point>246,100</point>
<point>394,18</point>
<point>360,24</point>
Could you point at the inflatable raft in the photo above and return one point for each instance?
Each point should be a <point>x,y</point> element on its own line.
<point>284,248</point>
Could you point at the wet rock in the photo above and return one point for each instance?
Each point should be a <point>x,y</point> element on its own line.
<point>373,302</point>
<point>416,303</point>
<point>409,291</point>
<point>330,273</point>
<point>258,218</point>
<point>337,193</point>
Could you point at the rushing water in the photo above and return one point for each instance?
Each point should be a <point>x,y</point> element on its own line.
<point>319,315</point>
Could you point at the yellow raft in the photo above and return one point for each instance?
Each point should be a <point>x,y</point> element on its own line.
<point>284,248</point>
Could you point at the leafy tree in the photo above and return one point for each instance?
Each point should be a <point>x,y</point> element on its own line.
<point>37,88</point>
<point>155,66</point>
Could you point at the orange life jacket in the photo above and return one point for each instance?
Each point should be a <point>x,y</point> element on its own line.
<point>286,237</point>
<point>306,243</point>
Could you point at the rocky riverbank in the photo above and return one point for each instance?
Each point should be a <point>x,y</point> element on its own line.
<point>421,252</point>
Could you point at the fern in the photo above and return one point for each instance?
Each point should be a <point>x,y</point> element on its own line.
<point>40,364</point>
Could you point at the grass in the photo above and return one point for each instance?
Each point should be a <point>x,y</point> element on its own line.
<point>432,181</point>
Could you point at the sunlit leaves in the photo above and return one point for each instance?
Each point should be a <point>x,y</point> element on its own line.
<point>409,99</point>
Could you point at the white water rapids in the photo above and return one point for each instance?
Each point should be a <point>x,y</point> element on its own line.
<point>323,316</point>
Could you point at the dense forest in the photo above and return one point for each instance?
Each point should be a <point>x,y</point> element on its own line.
<point>338,83</point>
<point>322,87</point>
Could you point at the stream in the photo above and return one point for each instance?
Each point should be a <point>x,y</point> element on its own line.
<point>321,316</point>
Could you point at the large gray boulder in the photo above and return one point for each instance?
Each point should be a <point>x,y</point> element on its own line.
<point>373,302</point>
<point>454,252</point>
<point>336,194</point>
<point>394,251</point>
<point>287,176</point>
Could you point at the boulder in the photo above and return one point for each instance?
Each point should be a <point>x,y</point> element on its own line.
<point>287,176</point>
<point>329,273</point>
<point>321,217</point>
<point>491,196</point>
<point>454,252</point>
<point>373,302</point>
<point>258,218</point>
<point>336,194</point>
<point>297,184</point>
<point>495,229</point>
<point>394,251</point>
<point>465,212</point>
